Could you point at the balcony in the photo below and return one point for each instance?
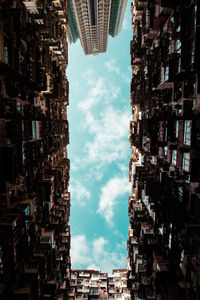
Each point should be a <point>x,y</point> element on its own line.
<point>85,289</point>
<point>31,6</point>
<point>161,15</point>
<point>79,289</point>
<point>137,12</point>
<point>84,274</point>
<point>57,3</point>
<point>47,238</point>
<point>164,80</point>
<point>135,61</point>
<point>147,40</point>
<point>21,294</point>
<point>11,221</point>
<point>72,283</point>
<point>71,292</point>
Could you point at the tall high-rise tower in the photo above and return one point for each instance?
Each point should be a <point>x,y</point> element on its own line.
<point>93,20</point>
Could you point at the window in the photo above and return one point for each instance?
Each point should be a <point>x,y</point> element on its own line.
<point>6,54</point>
<point>165,152</point>
<point>27,210</point>
<point>166,73</point>
<point>12,191</point>
<point>174,156</point>
<point>170,241</point>
<point>187,133</point>
<point>46,240</point>
<point>166,134</point>
<point>182,258</point>
<point>18,106</point>
<point>178,46</point>
<point>27,223</point>
<point>160,176</point>
<point>94,291</point>
<point>194,88</point>
<point>186,162</point>
<point>179,65</point>
<point>23,155</point>
<point>34,129</point>
<point>177,124</point>
<point>192,53</point>
<point>187,180</point>
<point>180,193</point>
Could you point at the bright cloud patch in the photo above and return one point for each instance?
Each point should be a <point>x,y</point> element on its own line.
<point>111,66</point>
<point>110,132</point>
<point>79,250</point>
<point>97,92</point>
<point>105,121</point>
<point>99,117</point>
<point>96,255</point>
<point>100,90</point>
<point>79,194</point>
<point>114,188</point>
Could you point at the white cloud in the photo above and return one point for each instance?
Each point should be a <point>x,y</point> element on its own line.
<point>105,121</point>
<point>126,24</point>
<point>114,188</point>
<point>109,132</point>
<point>96,254</point>
<point>75,163</point>
<point>96,93</point>
<point>79,250</point>
<point>99,89</point>
<point>111,66</point>
<point>79,194</point>
<point>98,246</point>
<point>124,168</point>
<point>108,142</point>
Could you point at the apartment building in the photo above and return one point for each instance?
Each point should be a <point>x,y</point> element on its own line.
<point>164,237</point>
<point>92,21</point>
<point>163,208</point>
<point>92,284</point>
<point>34,134</point>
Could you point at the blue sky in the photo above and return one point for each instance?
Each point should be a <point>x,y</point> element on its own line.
<point>99,114</point>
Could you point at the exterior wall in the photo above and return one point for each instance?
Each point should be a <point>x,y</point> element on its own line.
<point>118,9</point>
<point>122,13</point>
<point>165,182</point>
<point>34,198</point>
<point>72,26</point>
<point>93,20</point>
<point>92,284</point>
<point>93,36</point>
